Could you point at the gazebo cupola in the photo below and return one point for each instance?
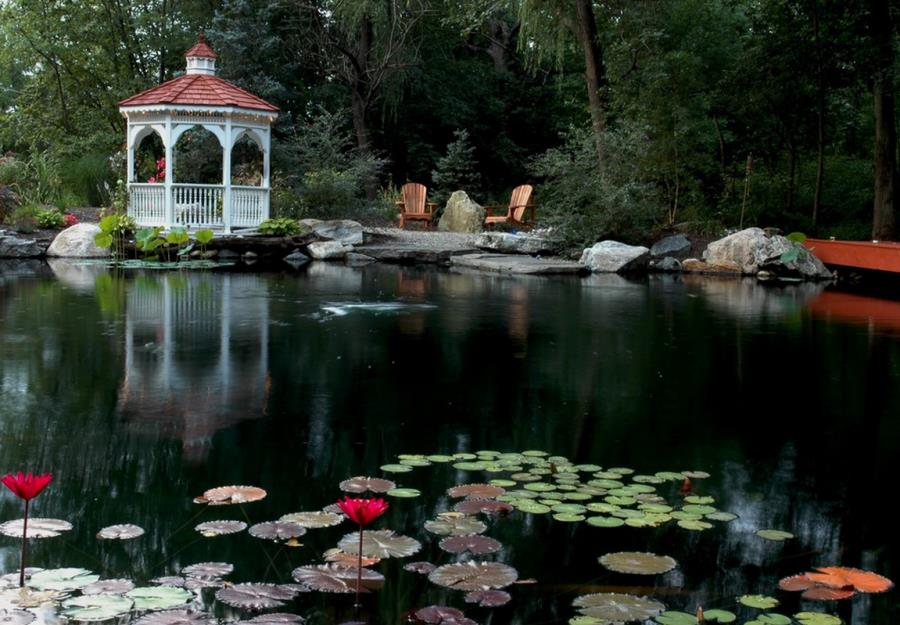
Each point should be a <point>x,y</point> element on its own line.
<point>198,98</point>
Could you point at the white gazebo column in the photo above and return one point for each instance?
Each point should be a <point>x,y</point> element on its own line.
<point>226,176</point>
<point>266,150</point>
<point>170,201</point>
<point>129,176</point>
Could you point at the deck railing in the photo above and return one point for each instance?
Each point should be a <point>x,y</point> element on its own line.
<point>198,205</point>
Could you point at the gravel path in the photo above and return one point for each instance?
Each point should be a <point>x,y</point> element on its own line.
<point>421,239</point>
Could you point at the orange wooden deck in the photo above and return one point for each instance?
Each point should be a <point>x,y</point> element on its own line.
<point>880,256</point>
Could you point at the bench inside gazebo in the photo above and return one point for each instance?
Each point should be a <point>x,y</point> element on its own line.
<point>198,98</point>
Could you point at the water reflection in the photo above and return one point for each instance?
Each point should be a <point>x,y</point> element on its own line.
<point>878,315</point>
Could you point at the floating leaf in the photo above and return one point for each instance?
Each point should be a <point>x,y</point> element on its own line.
<point>673,617</point>
<point>437,615</point>
<point>380,544</point>
<point>539,487</point>
<point>605,521</point>
<point>276,618</point>
<point>473,575</point>
<point>638,563</point>
<point>224,495</point>
<point>176,617</point>
<point>618,607</point>
<point>446,525</point>
<point>120,532</point>
<point>721,516</point>
<point>796,583</point>
<point>395,468</point>
<point>816,618</point>
<point>719,616</point>
<point>564,517</point>
<point>778,535</point>
<point>37,528</point>
<point>439,458</point>
<point>829,579</point>
<point>503,483</point>
<point>770,618</point>
<point>220,528</point>
<point>423,568</point>
<point>313,519</point>
<point>863,581</point>
<point>169,580</point>
<point>255,596</point>
<point>824,593</point>
<point>108,586</point>
<point>762,602</point>
<point>96,607</point>
<point>278,531</point>
<point>487,506</point>
<point>208,570</point>
<point>488,598</point>
<point>475,544</point>
<point>348,560</point>
<point>404,492</point>
<point>693,524</point>
<point>697,499</point>
<point>15,617</point>
<point>331,578</point>
<point>64,580</point>
<point>476,491</point>
<point>532,507</point>
<point>361,484</point>
<point>159,597</point>
<point>695,475</point>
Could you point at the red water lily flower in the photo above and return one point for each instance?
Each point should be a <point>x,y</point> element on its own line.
<point>363,511</point>
<point>26,487</point>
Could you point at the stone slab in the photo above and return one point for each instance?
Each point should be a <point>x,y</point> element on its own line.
<point>518,264</point>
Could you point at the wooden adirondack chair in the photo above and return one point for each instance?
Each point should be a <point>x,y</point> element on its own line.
<point>413,206</point>
<point>519,202</point>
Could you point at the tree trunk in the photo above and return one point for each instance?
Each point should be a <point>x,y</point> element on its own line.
<point>586,33</point>
<point>820,118</point>
<point>884,223</point>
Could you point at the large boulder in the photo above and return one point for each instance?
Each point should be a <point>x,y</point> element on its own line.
<point>12,246</point>
<point>461,214</point>
<point>753,249</point>
<point>77,242</point>
<point>508,243</point>
<point>328,250</point>
<point>346,231</point>
<point>614,257</point>
<point>667,264</point>
<point>676,246</point>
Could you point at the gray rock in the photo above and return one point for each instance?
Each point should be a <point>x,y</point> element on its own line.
<point>250,255</point>
<point>297,257</point>
<point>743,248</point>
<point>77,242</point>
<point>508,243</point>
<point>614,257</point>
<point>344,230</point>
<point>12,246</point>
<point>328,250</point>
<point>309,223</point>
<point>461,215</point>
<point>227,254</point>
<point>517,264</point>
<point>677,246</point>
<point>785,258</point>
<point>209,254</point>
<point>751,249</point>
<point>695,265</point>
<point>667,264</point>
<point>352,258</point>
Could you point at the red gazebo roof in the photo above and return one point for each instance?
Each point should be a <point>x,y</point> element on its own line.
<point>199,90</point>
<point>201,49</point>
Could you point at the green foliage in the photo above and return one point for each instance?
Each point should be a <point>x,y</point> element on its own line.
<point>23,218</point>
<point>148,240</point>
<point>282,227</point>
<point>50,218</point>
<point>204,236</point>
<point>114,230</point>
<point>457,169</point>
<point>87,177</point>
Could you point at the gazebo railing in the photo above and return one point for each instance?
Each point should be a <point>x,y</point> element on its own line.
<point>147,203</point>
<point>198,205</point>
<point>249,207</point>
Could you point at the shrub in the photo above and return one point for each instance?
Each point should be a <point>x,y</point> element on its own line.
<point>23,218</point>
<point>86,178</point>
<point>282,227</point>
<point>457,169</point>
<point>51,218</point>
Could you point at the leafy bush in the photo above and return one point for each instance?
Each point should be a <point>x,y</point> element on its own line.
<point>282,227</point>
<point>457,169</point>
<point>35,180</point>
<point>87,179</point>
<point>50,218</point>
<point>114,229</point>
<point>23,218</point>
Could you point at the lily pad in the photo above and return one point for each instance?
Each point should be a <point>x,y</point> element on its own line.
<point>460,525</point>
<point>64,580</point>
<point>124,531</point>
<point>255,596</point>
<point>719,616</point>
<point>96,607</point>
<point>220,528</point>
<point>770,618</point>
<point>404,492</point>
<point>331,578</point>
<point>824,593</point>
<point>16,617</point>
<point>673,617</point>
<point>488,598</point>
<point>278,531</point>
<point>694,525</point>
<point>763,602</point>
<point>37,528</point>
<point>617,607</point>
<point>348,560</point>
<point>566,517</point>
<point>777,535</point>
<point>475,544</point>
<point>396,468</point>
<point>605,521</point>
<point>108,586</point>
<point>486,506</point>
<point>423,568</point>
<point>532,507</point>
<point>638,563</point>
<point>314,519</point>
<point>208,570</point>
<point>438,615</point>
<point>169,580</point>
<point>720,515</point>
<point>159,597</point>
<point>380,544</point>
<point>361,484</point>
<point>224,495</point>
<point>476,491</point>
<point>176,617</point>
<point>816,618</point>
<point>276,618</point>
<point>863,581</point>
<point>473,575</point>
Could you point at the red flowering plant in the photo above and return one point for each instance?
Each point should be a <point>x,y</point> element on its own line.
<point>69,219</point>
<point>26,487</point>
<point>362,512</point>
<point>160,175</point>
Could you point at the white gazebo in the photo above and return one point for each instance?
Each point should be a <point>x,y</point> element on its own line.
<point>198,98</point>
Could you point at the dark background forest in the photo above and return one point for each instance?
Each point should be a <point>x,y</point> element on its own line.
<point>629,116</point>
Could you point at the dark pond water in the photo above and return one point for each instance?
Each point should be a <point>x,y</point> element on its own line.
<point>141,391</point>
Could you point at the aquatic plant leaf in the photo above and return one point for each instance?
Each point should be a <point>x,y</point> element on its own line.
<point>439,458</point>
<point>395,468</point>
<point>108,586</point>
<point>446,525</point>
<point>693,524</point>
<point>65,580</point>
<point>16,617</point>
<point>695,475</point>
<point>337,579</point>
<point>569,508</point>
<point>486,506</point>
<point>525,477</point>
<point>535,453</point>
<point>488,598</point>
<point>565,517</point>
<point>30,598</point>
<point>796,583</point>
<point>475,544</point>
<point>208,570</point>
<point>277,531</point>
<point>771,618</point>
<point>763,602</point>
<point>473,575</point>
<point>476,491</point>
<point>532,507</point>
<point>464,455</point>
<point>697,499</point>
<point>275,618</point>
<point>37,528</point>
<point>224,495</point>
<point>96,607</point>
<point>816,618</point>
<point>638,563</point>
<point>539,487</point>
<point>503,483</point>
<point>673,617</point>
<point>314,519</point>
<point>698,509</point>
<point>380,544</point>
<point>863,581</point>
<point>415,462</point>
<point>648,479</point>
<point>220,528</point>
<point>176,617</point>
<point>437,614</point>
<point>169,580</point>
<point>720,515</point>
<point>828,579</point>
<point>620,501</point>
<point>423,568</point>
<point>617,607</point>
<point>825,593</point>
<point>159,597</point>
<point>361,484</point>
<point>124,531</point>
<point>719,616</point>
<point>670,476</point>
<point>587,620</point>
<point>777,535</point>
<point>255,596</point>
<point>404,492</point>
<point>348,560</point>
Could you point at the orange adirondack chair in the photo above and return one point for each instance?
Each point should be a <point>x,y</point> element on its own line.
<point>413,206</point>
<point>519,202</point>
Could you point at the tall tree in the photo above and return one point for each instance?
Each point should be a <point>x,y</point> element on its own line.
<point>884,223</point>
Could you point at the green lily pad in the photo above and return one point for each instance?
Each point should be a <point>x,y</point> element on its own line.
<point>648,479</point>
<point>314,519</point>
<point>602,507</point>
<point>469,466</point>
<point>404,492</point>
<point>569,508</point>
<point>721,516</point>
<point>659,508</point>
<point>455,525</point>
<point>587,468</point>
<point>627,513</point>
<point>699,500</point>
<point>694,525</point>
<point>620,470</point>
<point>638,562</point>
<point>416,462</point>
<point>532,507</point>
<point>673,617</point>
<point>777,535</point>
<point>772,618</point>
<point>502,483</point>
<point>816,618</point>
<point>534,453</point>
<point>550,502</point>
<point>670,476</point>
<point>587,620</point>
<point>695,475</point>
<point>159,597</point>
<point>698,509</point>
<point>763,602</point>
<point>96,607</point>
<point>525,477</point>
<point>620,501</point>
<point>568,518</point>
<point>539,487</point>
<point>618,607</point>
<point>439,458</point>
<point>686,516</point>
<point>719,616</point>
<point>605,521</point>
<point>395,468</point>
<point>63,580</point>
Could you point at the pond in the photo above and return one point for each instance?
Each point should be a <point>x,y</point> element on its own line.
<point>142,390</point>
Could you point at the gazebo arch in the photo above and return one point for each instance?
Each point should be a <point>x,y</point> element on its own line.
<point>198,98</point>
